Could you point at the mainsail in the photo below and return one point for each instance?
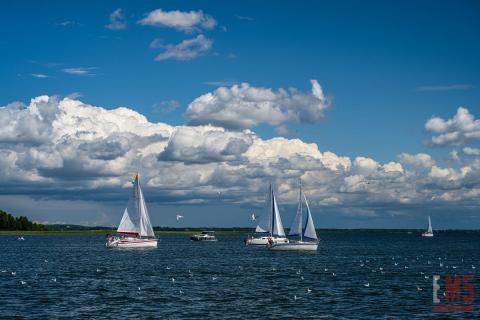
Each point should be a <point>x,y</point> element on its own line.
<point>429,225</point>
<point>141,221</point>
<point>276,225</point>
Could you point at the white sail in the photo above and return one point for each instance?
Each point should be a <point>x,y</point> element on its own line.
<point>429,225</point>
<point>277,226</point>
<point>309,230</point>
<point>145,226</point>
<point>126,225</point>
<point>263,225</point>
<point>139,222</point>
<point>296,227</point>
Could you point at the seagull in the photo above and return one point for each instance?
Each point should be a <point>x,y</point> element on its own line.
<point>309,290</point>
<point>181,292</point>
<point>23,282</point>
<point>396,263</point>
<point>426,277</point>
<point>54,279</point>
<point>139,289</point>
<point>301,277</point>
<point>334,274</point>
<point>367,284</point>
<point>173,280</point>
<point>326,269</point>
<point>21,238</point>
<point>168,268</point>
<point>441,264</point>
<point>214,278</point>
<point>299,271</point>
<point>454,267</point>
<point>295,297</point>
<point>422,273</point>
<point>406,267</point>
<point>473,267</point>
<point>179,216</point>
<point>254,217</point>
<point>46,261</point>
<point>14,273</point>
<point>361,264</point>
<point>419,289</point>
<point>380,268</point>
<point>98,270</point>
<point>3,271</point>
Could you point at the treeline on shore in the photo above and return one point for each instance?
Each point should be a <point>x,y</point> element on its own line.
<point>9,222</point>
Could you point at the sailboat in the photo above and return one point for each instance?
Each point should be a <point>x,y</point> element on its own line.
<point>136,233</point>
<point>269,227</point>
<point>429,232</point>
<point>307,236</point>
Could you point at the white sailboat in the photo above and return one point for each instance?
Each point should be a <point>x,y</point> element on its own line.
<point>307,236</point>
<point>270,225</point>
<point>429,232</point>
<point>136,233</point>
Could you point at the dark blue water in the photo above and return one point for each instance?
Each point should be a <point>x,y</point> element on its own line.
<point>230,281</point>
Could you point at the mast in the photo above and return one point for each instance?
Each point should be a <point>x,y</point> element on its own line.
<point>272,200</point>
<point>301,210</point>
<point>429,225</point>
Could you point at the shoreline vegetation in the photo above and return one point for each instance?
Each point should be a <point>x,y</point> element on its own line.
<point>10,225</point>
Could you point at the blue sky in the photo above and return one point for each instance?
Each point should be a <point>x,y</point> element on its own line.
<point>386,68</point>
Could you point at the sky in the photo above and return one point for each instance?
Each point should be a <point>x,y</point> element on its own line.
<point>374,105</point>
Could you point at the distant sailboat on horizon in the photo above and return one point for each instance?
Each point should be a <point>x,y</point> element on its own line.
<point>136,233</point>
<point>307,236</point>
<point>429,232</point>
<point>269,224</point>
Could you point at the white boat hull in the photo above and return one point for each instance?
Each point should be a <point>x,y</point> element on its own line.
<point>132,243</point>
<point>263,241</point>
<point>294,246</point>
<point>427,234</point>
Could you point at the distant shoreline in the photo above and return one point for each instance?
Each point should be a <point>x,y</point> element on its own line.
<point>219,231</point>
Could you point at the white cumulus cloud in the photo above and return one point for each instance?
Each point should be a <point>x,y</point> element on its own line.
<point>459,130</point>
<point>188,49</point>
<point>186,21</point>
<point>245,106</point>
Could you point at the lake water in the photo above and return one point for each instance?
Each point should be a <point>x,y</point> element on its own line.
<point>226,280</point>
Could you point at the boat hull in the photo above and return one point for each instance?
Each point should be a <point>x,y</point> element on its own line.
<point>263,241</point>
<point>132,243</point>
<point>294,246</point>
<point>427,234</point>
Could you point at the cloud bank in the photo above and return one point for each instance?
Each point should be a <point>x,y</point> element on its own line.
<point>65,149</point>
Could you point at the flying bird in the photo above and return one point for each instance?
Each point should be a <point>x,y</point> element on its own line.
<point>254,217</point>
<point>367,284</point>
<point>179,217</point>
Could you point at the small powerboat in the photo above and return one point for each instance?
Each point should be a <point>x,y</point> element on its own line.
<point>206,236</point>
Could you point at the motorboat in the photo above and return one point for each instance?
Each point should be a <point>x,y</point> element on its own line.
<point>206,236</point>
